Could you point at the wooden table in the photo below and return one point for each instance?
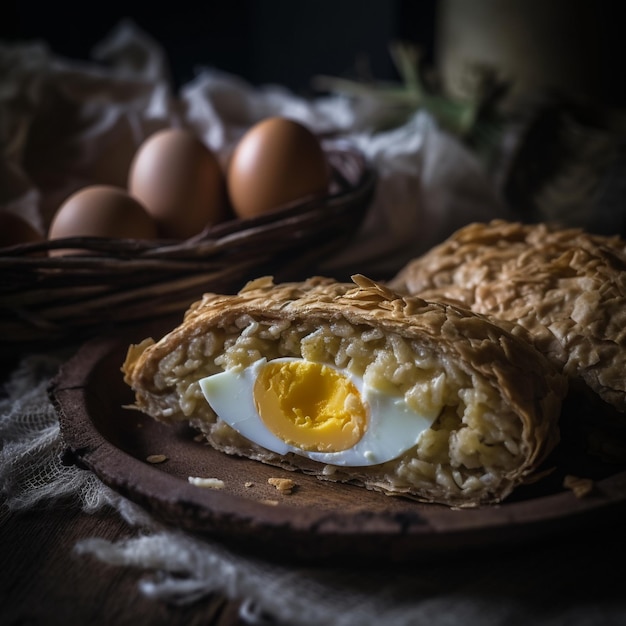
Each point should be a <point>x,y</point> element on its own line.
<point>42,580</point>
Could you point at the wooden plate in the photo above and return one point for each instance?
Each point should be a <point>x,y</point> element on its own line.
<point>318,520</point>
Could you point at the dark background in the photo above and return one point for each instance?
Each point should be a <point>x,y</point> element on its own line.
<point>265,41</point>
<point>288,42</point>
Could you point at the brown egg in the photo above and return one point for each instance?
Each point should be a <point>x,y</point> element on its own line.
<point>101,211</point>
<point>180,182</point>
<point>15,230</point>
<point>278,161</point>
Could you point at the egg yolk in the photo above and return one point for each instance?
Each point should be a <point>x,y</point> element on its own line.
<point>310,406</point>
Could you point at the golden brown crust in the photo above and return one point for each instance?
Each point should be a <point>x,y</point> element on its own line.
<point>528,386</point>
<point>565,288</point>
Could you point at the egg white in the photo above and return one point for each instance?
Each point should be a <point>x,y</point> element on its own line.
<point>393,427</point>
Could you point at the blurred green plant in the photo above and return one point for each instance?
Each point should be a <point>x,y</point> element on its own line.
<point>475,120</point>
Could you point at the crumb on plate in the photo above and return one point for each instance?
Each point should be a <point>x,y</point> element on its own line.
<point>581,487</point>
<point>284,485</point>
<point>207,483</point>
<point>156,458</point>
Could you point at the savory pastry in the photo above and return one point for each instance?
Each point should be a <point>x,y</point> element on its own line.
<point>565,290</point>
<point>352,382</point>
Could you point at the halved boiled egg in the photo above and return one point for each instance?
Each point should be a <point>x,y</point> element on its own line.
<point>314,410</point>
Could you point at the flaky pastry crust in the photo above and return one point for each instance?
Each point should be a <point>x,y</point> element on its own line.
<point>479,449</point>
<point>564,289</point>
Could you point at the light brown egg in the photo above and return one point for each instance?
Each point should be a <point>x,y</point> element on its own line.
<point>15,230</point>
<point>277,162</point>
<point>101,211</point>
<point>180,182</point>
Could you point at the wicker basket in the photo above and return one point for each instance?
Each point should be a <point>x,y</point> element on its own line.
<point>119,281</point>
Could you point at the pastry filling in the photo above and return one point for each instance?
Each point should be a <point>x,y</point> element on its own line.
<point>472,436</point>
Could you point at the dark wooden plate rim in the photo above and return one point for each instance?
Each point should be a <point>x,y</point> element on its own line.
<point>395,529</point>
